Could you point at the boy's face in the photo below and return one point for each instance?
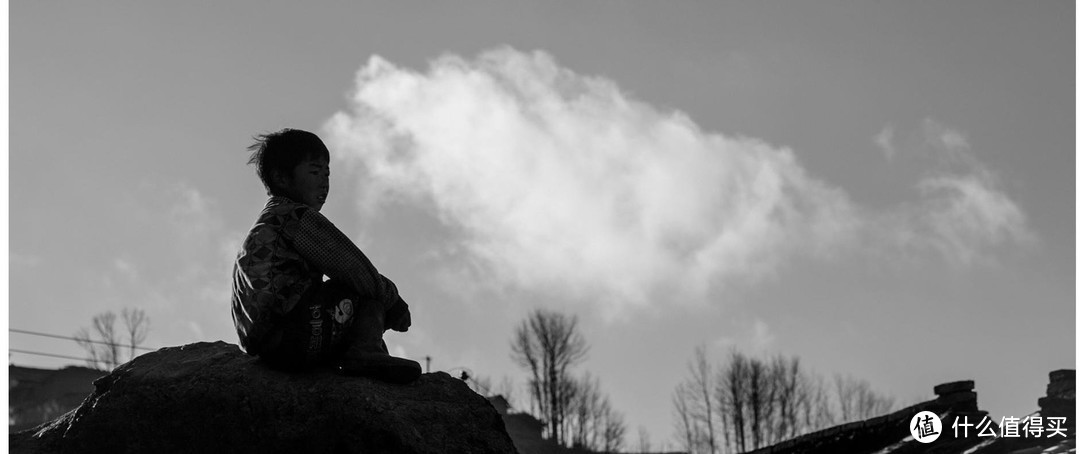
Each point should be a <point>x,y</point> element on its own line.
<point>309,183</point>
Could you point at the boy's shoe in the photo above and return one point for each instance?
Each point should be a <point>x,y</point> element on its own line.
<point>366,354</point>
<point>380,366</point>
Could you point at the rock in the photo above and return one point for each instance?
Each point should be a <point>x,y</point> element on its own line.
<point>211,397</point>
<point>954,387</point>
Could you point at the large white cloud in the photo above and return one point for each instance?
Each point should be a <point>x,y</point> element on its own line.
<point>563,184</point>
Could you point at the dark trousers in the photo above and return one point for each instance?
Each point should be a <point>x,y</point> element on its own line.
<point>317,331</point>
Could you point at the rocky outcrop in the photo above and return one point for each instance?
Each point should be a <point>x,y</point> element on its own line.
<point>211,397</point>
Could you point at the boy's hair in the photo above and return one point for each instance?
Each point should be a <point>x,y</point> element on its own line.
<point>282,151</point>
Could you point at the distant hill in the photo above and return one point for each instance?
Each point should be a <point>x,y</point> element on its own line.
<point>36,396</point>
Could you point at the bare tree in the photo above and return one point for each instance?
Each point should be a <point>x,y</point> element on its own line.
<point>568,394</point>
<point>856,401</point>
<point>749,403</point>
<point>584,413</point>
<point>592,424</point>
<point>760,399</point>
<point>701,377</point>
<point>686,424</point>
<point>106,343</point>
<point>733,389</point>
<point>818,412</point>
<point>697,405</point>
<point>104,352</point>
<point>791,394</point>
<point>644,445</point>
<point>547,343</point>
<point>137,324</point>
<point>614,429</point>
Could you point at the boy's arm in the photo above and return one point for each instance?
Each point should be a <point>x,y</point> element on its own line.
<point>332,253</point>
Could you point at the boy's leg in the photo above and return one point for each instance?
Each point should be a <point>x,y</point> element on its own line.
<point>301,337</point>
<point>362,350</point>
<point>366,354</point>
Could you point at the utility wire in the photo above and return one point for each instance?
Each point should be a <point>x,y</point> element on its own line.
<point>32,333</point>
<point>47,354</point>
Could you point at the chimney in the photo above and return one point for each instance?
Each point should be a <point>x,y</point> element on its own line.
<point>958,396</point>
<point>1060,397</point>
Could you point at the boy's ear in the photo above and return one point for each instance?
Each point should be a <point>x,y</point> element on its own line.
<point>279,179</point>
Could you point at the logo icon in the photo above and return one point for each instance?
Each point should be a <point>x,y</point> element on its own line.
<point>925,427</point>
<point>344,311</point>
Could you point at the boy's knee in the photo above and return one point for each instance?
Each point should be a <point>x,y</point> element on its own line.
<point>398,317</point>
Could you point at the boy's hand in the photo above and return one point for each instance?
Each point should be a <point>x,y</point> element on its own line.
<point>398,317</point>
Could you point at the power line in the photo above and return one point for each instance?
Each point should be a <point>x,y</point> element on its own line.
<point>47,354</point>
<point>32,333</point>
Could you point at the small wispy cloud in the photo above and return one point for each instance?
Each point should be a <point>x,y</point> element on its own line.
<point>123,272</point>
<point>946,142</point>
<point>193,214</point>
<point>125,268</point>
<point>963,213</point>
<point>884,141</point>
<point>21,261</point>
<point>755,338</point>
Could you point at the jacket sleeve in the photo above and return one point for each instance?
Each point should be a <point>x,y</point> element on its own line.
<point>332,253</point>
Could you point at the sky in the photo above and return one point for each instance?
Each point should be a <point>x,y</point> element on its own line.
<point>884,190</point>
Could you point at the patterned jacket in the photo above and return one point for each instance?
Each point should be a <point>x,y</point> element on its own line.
<point>288,250</point>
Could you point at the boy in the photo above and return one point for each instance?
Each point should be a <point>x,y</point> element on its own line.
<point>282,309</point>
